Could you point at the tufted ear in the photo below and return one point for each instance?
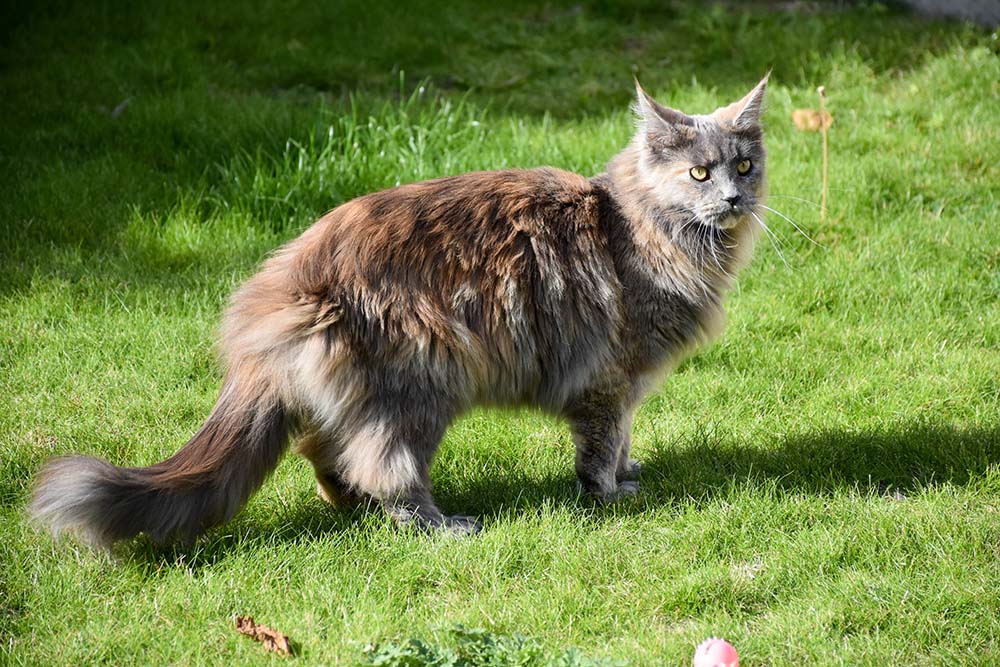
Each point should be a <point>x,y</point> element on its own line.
<point>745,114</point>
<point>659,123</point>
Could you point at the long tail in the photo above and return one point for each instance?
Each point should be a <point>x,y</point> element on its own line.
<point>202,485</point>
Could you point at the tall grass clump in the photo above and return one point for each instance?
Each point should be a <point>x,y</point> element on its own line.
<point>352,151</point>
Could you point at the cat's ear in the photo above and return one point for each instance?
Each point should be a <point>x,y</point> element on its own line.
<point>745,114</point>
<point>659,123</point>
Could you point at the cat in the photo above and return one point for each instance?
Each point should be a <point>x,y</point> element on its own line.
<point>398,311</point>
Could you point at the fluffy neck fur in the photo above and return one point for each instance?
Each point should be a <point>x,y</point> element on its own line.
<point>678,253</point>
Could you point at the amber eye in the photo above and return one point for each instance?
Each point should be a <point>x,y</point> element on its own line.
<point>744,167</point>
<point>699,173</point>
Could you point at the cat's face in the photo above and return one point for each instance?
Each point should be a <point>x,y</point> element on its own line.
<point>709,167</point>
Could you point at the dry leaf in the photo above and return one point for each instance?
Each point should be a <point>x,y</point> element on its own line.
<point>272,639</point>
<point>810,120</point>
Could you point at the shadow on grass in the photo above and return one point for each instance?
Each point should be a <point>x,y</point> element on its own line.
<point>206,83</point>
<point>886,465</point>
<point>892,462</point>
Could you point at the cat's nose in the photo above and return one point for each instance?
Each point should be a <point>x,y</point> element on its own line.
<point>733,199</point>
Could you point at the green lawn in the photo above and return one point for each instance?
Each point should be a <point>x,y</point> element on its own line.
<point>822,486</point>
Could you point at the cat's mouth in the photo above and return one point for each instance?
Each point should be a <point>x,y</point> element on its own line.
<point>726,218</point>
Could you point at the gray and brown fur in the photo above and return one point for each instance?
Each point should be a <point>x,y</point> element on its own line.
<point>398,311</point>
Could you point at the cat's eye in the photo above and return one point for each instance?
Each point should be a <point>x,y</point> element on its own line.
<point>743,168</point>
<point>699,173</point>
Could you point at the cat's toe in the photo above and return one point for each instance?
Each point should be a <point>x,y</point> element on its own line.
<point>325,496</point>
<point>435,523</point>
<point>337,495</point>
<point>460,525</point>
<point>629,471</point>
<point>627,489</point>
<point>623,490</point>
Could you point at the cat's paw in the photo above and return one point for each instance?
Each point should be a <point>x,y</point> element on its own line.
<point>625,489</point>
<point>436,523</point>
<point>460,525</point>
<point>336,495</point>
<point>326,496</point>
<point>629,471</point>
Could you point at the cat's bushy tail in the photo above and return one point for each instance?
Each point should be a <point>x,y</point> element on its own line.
<point>202,485</point>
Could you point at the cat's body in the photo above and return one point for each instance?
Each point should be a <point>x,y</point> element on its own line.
<point>399,310</point>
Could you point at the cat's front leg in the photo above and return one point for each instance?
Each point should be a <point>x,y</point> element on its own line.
<point>628,468</point>
<point>601,434</point>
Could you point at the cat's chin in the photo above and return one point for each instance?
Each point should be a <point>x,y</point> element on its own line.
<point>726,221</point>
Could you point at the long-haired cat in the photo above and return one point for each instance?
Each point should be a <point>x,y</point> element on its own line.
<point>400,310</point>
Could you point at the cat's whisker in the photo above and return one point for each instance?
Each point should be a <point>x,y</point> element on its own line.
<point>771,237</point>
<point>677,231</point>
<point>700,262</point>
<point>792,222</point>
<point>710,246</point>
<point>719,264</point>
<point>697,248</point>
<point>801,199</point>
<point>692,224</point>
<point>705,246</point>
<point>779,239</point>
<point>715,253</point>
<point>675,235</point>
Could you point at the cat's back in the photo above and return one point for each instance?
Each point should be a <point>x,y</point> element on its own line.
<point>455,221</point>
<point>503,272</point>
<point>436,234</point>
<point>430,246</point>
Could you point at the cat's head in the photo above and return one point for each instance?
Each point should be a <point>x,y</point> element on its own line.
<point>709,167</point>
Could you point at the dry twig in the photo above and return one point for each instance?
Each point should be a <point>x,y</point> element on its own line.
<point>823,125</point>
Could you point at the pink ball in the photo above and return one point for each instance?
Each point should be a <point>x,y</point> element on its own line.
<point>715,652</point>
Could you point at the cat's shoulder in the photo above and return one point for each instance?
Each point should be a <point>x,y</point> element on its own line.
<point>539,184</point>
<point>558,194</point>
<point>570,196</point>
<point>562,185</point>
<point>512,195</point>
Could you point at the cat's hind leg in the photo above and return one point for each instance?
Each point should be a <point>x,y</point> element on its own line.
<point>388,457</point>
<point>321,449</point>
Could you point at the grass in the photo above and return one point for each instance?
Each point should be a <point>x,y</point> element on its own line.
<point>821,486</point>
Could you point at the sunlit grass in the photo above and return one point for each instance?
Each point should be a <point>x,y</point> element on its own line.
<point>820,486</point>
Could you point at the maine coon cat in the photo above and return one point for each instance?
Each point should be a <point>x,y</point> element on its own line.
<point>399,310</point>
